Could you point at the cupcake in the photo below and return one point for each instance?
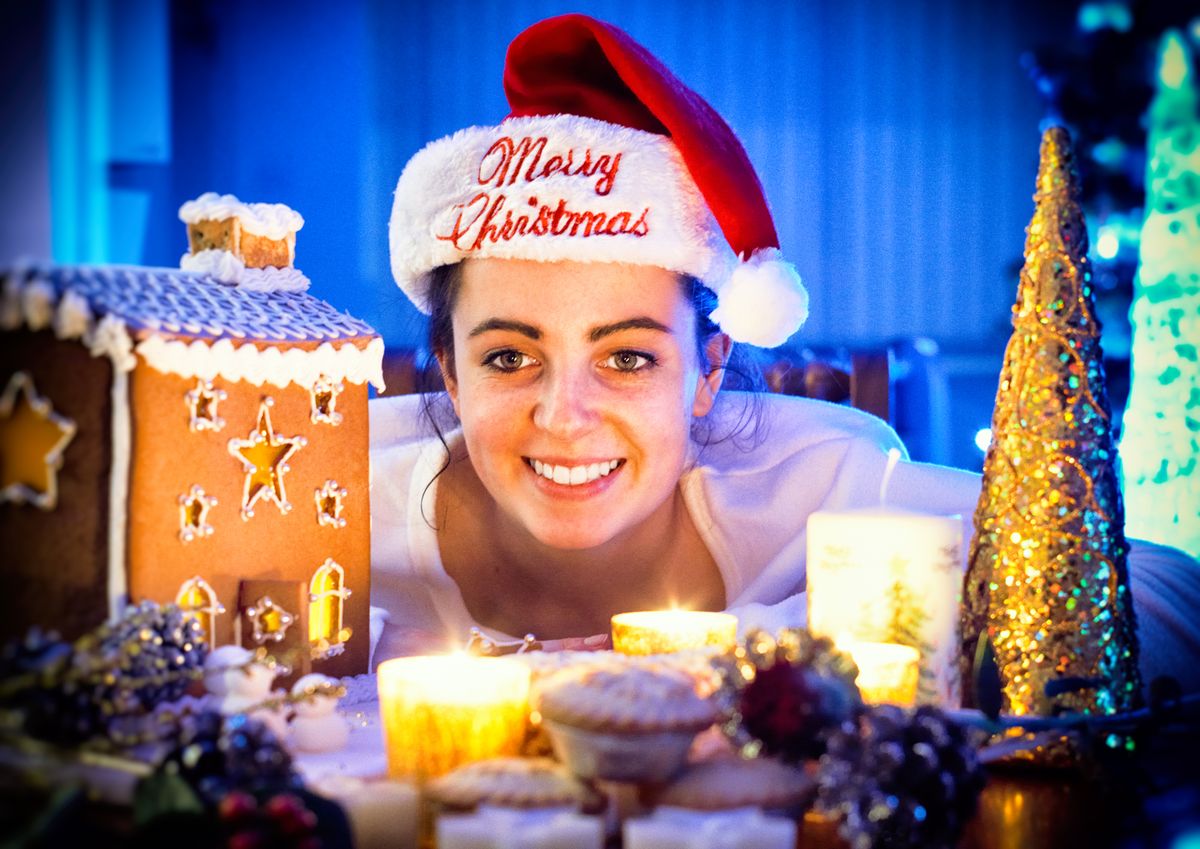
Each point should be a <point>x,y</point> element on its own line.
<point>513,783</point>
<point>622,721</point>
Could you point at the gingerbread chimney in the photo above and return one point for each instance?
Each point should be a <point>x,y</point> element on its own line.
<point>259,235</point>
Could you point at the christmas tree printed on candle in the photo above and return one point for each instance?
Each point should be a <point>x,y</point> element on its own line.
<point>1161,434</point>
<point>907,621</point>
<point>1048,581</point>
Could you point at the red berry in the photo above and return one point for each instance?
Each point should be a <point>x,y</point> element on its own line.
<point>246,840</point>
<point>237,806</point>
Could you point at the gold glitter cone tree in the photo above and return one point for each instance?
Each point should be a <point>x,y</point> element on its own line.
<point>1048,580</point>
<point>1160,442</point>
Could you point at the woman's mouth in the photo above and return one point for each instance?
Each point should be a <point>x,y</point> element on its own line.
<point>573,475</point>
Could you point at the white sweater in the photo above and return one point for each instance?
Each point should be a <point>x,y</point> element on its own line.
<point>750,497</point>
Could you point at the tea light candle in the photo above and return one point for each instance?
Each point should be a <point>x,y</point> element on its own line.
<point>887,672</point>
<point>892,576</point>
<point>665,631</point>
<point>440,712</point>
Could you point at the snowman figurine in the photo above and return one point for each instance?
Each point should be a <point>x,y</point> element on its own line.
<point>240,684</point>
<point>317,726</point>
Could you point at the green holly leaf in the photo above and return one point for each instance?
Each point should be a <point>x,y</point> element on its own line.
<point>989,692</point>
<point>161,794</point>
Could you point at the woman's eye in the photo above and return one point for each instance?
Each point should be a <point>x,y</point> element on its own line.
<point>629,361</point>
<point>507,360</point>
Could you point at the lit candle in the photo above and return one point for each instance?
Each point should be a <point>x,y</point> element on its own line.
<point>891,576</point>
<point>665,631</point>
<point>887,672</point>
<point>441,712</point>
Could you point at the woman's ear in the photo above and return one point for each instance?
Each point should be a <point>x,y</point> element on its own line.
<point>446,366</point>
<point>716,354</point>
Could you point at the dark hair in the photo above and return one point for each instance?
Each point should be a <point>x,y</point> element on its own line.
<point>742,371</point>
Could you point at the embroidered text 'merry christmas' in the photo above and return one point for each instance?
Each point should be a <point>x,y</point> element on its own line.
<point>487,216</point>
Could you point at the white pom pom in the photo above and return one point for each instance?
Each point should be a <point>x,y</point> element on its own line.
<point>763,302</point>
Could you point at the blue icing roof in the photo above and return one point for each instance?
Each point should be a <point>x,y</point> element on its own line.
<point>185,303</point>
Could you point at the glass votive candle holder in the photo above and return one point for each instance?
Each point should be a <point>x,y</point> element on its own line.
<point>665,631</point>
<point>887,672</point>
<point>440,712</point>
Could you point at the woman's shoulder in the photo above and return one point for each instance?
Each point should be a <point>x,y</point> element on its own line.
<point>400,420</point>
<point>761,430</point>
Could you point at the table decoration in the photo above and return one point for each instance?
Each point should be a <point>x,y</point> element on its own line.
<point>783,694</point>
<point>1047,587</point>
<point>666,631</point>
<point>1160,479</point>
<point>888,575</point>
<point>442,711</point>
<point>900,778</point>
<point>887,672</point>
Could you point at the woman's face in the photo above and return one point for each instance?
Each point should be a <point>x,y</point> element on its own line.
<point>576,385</point>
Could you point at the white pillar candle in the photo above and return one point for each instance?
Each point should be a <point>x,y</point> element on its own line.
<point>890,576</point>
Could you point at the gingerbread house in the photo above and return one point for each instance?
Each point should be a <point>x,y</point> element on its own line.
<point>196,435</point>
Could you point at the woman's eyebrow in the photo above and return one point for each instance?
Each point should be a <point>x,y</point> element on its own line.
<point>639,323</point>
<point>506,324</point>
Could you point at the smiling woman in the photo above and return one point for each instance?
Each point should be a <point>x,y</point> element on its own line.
<point>588,266</point>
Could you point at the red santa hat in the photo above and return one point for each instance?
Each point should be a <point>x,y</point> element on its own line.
<point>605,157</point>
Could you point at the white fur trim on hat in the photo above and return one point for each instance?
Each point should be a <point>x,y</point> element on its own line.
<point>554,187</point>
<point>763,302</point>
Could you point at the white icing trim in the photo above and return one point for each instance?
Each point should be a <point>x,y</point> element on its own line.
<point>37,304</point>
<point>118,493</point>
<point>226,267</point>
<point>272,220</point>
<point>110,339</point>
<point>73,318</point>
<point>444,195</point>
<point>274,366</point>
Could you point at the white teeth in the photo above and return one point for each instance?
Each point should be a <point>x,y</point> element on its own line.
<point>573,475</point>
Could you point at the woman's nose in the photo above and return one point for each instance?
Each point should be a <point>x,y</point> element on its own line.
<point>566,406</point>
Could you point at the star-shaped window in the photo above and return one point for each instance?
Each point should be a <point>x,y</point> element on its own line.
<point>202,407</point>
<point>324,393</point>
<point>329,505</point>
<point>193,514</point>
<point>269,620</point>
<point>264,455</point>
<point>32,440</point>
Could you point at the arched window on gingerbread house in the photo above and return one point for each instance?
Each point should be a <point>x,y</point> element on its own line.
<point>196,598</point>
<point>327,594</point>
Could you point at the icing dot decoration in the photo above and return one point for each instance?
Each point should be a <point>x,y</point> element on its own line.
<point>32,440</point>
<point>264,455</point>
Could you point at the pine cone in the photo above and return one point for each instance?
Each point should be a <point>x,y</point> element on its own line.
<point>900,779</point>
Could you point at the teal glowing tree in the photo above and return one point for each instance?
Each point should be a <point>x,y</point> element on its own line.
<point>1160,444</point>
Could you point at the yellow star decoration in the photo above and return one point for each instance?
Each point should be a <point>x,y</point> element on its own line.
<point>270,621</point>
<point>329,505</point>
<point>264,455</point>
<point>202,406</point>
<point>324,393</point>
<point>32,440</point>
<point>193,514</point>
